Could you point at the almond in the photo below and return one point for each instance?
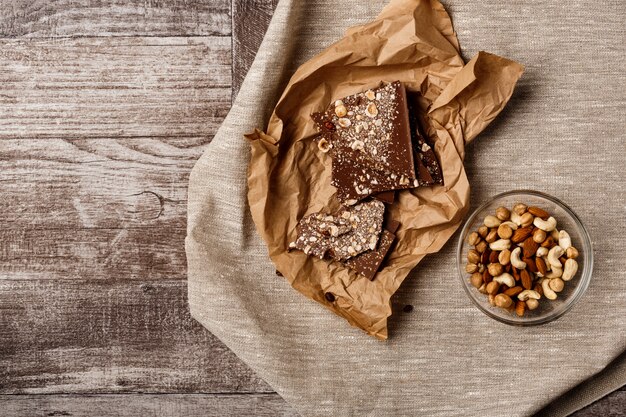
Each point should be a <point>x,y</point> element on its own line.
<point>549,242</point>
<point>530,264</point>
<point>484,257</point>
<point>538,212</point>
<point>493,256</point>
<point>487,278</point>
<point>513,291</point>
<point>527,281</point>
<point>538,288</point>
<point>541,266</point>
<point>521,234</point>
<point>515,274</point>
<point>520,307</point>
<point>530,247</point>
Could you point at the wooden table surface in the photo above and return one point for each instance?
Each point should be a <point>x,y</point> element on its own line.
<point>104,108</point>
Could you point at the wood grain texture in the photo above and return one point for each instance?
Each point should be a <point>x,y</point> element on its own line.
<point>44,18</point>
<point>134,405</point>
<point>85,336</point>
<point>250,21</point>
<point>113,87</point>
<point>96,183</point>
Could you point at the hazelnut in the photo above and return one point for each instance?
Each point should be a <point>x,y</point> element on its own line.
<point>343,122</point>
<point>473,238</point>
<point>476,279</point>
<point>504,257</point>
<point>503,301</point>
<point>503,213</point>
<point>539,236</point>
<point>323,145</point>
<point>492,236</point>
<point>471,268</point>
<point>341,111</point>
<point>572,252</point>
<point>483,231</point>
<point>495,269</point>
<point>557,284</point>
<point>372,110</point>
<point>370,95</point>
<point>532,304</point>
<point>520,209</point>
<point>493,287</point>
<point>505,231</point>
<point>481,246</point>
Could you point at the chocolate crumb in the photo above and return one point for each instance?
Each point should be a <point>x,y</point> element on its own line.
<point>330,297</point>
<point>407,308</point>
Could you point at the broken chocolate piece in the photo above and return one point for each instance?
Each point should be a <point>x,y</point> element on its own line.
<point>369,263</point>
<point>370,142</point>
<point>427,166</point>
<point>342,235</point>
<point>386,196</point>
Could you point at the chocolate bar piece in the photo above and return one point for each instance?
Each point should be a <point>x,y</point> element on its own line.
<point>342,235</point>
<point>386,196</point>
<point>426,165</point>
<point>368,138</point>
<point>369,263</point>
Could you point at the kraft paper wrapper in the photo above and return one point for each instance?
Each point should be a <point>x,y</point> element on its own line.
<point>288,177</point>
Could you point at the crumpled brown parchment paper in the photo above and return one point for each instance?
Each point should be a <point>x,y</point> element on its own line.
<point>410,41</point>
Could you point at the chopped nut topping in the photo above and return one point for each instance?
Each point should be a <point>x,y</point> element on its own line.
<point>372,110</point>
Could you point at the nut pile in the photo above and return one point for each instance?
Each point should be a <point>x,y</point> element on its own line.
<point>519,257</point>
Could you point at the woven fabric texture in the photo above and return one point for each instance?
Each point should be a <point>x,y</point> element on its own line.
<point>562,133</point>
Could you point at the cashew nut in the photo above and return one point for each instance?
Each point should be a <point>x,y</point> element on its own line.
<point>565,241</point>
<point>506,279</point>
<point>501,244</point>
<point>545,225</point>
<point>541,252</point>
<point>547,291</point>
<point>516,218</point>
<point>515,259</point>
<point>555,273</point>
<point>509,223</point>
<point>571,267</point>
<point>553,256</point>
<point>492,221</point>
<point>527,294</point>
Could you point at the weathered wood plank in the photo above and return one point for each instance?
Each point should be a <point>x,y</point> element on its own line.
<point>134,405</point>
<point>42,18</point>
<point>113,87</point>
<point>109,255</point>
<point>250,21</point>
<point>88,336</point>
<point>96,183</point>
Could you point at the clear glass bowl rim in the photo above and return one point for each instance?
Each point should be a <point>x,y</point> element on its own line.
<point>586,273</point>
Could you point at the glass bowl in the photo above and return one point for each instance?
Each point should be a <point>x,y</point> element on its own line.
<point>548,310</point>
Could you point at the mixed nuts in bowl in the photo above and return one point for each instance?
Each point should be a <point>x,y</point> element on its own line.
<point>524,258</point>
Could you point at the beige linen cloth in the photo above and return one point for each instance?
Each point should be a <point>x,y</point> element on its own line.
<point>561,133</point>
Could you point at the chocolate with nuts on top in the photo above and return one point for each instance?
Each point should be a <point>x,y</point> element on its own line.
<point>369,139</point>
<point>342,235</point>
<point>369,263</point>
<point>427,167</point>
